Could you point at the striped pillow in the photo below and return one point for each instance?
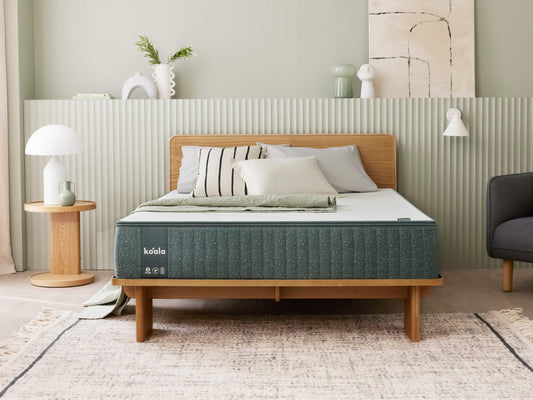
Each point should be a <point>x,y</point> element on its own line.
<point>216,176</point>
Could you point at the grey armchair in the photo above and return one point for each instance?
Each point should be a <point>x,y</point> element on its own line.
<point>510,221</point>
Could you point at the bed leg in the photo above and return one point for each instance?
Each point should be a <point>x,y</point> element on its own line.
<point>277,293</point>
<point>143,313</point>
<point>411,313</point>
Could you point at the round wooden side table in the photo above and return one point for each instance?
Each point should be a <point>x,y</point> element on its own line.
<point>64,255</point>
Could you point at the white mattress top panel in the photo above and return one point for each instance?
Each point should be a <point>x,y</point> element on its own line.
<point>383,205</point>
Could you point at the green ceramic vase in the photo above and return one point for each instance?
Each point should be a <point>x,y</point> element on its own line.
<point>343,74</point>
<point>66,196</point>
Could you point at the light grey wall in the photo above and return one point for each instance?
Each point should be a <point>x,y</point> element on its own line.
<point>247,48</point>
<point>504,35</point>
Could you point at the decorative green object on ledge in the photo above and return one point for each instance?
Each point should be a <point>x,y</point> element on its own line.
<point>343,74</point>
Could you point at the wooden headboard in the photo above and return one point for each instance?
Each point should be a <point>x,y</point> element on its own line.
<point>378,151</point>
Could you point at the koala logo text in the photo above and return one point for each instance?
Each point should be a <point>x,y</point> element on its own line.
<point>154,251</point>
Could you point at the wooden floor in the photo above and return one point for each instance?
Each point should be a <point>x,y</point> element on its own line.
<point>472,290</point>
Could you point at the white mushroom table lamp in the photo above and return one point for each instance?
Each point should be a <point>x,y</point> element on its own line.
<point>55,141</point>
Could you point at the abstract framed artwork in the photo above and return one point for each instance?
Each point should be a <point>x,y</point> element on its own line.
<point>422,48</point>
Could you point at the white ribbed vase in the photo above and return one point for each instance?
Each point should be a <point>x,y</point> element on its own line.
<point>164,80</point>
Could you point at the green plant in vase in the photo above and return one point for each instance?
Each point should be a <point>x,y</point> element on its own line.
<point>163,75</point>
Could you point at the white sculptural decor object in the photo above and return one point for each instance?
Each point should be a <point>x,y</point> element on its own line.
<point>139,80</point>
<point>367,74</point>
<point>164,80</point>
<point>54,140</point>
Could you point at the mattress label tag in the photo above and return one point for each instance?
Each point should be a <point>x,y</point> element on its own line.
<point>154,252</point>
<point>404,219</point>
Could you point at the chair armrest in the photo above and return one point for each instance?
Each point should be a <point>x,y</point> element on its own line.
<point>508,197</point>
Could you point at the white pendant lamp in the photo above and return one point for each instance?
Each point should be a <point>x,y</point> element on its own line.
<point>55,141</point>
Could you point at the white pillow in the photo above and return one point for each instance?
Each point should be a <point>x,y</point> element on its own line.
<point>216,176</point>
<point>342,166</point>
<point>188,169</point>
<point>283,176</point>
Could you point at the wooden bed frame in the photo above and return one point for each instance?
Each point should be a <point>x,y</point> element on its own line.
<point>378,153</point>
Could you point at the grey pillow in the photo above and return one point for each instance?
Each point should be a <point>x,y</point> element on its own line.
<point>266,146</point>
<point>342,166</point>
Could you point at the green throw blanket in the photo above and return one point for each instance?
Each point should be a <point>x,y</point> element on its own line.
<point>260,203</point>
<point>108,300</point>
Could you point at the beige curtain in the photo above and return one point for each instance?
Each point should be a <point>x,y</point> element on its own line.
<point>6,261</point>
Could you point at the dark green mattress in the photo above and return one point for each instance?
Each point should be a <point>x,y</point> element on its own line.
<point>273,250</point>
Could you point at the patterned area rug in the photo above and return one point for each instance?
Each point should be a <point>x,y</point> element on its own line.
<point>461,356</point>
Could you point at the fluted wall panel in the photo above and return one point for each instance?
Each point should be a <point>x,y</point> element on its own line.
<point>126,156</point>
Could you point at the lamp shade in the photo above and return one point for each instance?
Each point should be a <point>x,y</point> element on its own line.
<point>54,140</point>
<point>456,126</point>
